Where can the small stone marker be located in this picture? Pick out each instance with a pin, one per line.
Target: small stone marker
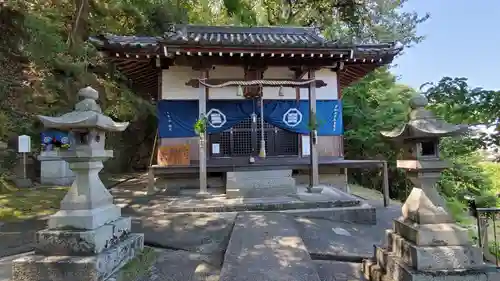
(24, 144)
(23, 147)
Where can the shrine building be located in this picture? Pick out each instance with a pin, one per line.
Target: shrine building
(257, 87)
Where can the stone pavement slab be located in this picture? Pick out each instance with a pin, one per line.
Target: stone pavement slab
(6, 265)
(18, 237)
(182, 266)
(266, 247)
(339, 271)
(333, 240)
(327, 239)
(204, 233)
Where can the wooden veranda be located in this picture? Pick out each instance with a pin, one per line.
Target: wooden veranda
(224, 165)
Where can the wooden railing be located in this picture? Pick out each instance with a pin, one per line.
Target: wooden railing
(487, 233)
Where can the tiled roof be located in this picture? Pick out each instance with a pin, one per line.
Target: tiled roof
(245, 36)
(231, 44)
(126, 41)
(186, 36)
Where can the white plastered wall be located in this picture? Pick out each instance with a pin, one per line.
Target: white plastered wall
(174, 84)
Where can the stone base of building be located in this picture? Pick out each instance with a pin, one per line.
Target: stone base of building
(79, 255)
(260, 184)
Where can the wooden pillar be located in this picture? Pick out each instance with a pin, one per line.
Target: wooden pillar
(314, 170)
(202, 108)
(339, 97)
(385, 185)
(156, 143)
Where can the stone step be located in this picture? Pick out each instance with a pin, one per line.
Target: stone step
(373, 272)
(257, 184)
(363, 214)
(251, 175)
(255, 190)
(266, 247)
(338, 270)
(255, 204)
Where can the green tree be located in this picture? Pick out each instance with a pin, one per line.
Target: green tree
(457, 102)
(375, 104)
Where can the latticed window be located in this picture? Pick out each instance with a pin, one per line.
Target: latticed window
(243, 139)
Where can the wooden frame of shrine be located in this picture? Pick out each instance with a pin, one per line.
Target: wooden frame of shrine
(235, 75)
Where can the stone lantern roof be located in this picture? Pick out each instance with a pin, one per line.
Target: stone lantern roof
(87, 115)
(423, 124)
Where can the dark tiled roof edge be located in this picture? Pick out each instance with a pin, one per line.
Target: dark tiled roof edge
(155, 41)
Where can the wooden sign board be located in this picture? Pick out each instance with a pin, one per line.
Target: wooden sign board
(172, 155)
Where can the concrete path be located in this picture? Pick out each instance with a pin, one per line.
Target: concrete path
(6, 266)
(198, 233)
(344, 241)
(18, 237)
(339, 271)
(182, 266)
(266, 247)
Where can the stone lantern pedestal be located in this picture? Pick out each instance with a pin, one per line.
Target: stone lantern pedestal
(425, 243)
(87, 239)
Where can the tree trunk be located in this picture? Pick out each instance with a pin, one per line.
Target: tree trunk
(80, 28)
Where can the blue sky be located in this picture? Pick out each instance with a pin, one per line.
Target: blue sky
(462, 40)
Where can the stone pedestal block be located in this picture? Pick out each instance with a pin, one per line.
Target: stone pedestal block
(260, 184)
(431, 234)
(426, 252)
(81, 242)
(84, 219)
(54, 170)
(388, 267)
(425, 205)
(435, 258)
(87, 268)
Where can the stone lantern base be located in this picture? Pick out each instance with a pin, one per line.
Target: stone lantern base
(419, 248)
(79, 255)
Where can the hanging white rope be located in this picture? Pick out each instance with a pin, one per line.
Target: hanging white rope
(256, 82)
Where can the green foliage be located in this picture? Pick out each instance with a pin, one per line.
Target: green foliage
(30, 203)
(454, 100)
(492, 171)
(465, 177)
(200, 126)
(375, 104)
(47, 70)
(139, 266)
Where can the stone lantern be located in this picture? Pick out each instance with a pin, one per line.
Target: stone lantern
(419, 139)
(87, 239)
(425, 243)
